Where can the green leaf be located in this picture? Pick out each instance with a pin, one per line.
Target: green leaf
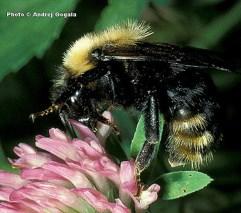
(126, 126)
(179, 184)
(218, 28)
(27, 36)
(139, 135)
(118, 11)
(4, 164)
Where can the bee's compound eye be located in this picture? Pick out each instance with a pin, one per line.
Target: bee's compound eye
(96, 54)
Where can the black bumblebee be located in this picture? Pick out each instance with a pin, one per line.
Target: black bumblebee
(116, 67)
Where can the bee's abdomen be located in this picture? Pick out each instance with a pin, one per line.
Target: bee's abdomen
(193, 116)
(189, 140)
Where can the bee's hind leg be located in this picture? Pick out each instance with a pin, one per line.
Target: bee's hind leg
(151, 125)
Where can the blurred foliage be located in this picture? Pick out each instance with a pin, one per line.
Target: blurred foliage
(213, 33)
(117, 11)
(32, 47)
(34, 38)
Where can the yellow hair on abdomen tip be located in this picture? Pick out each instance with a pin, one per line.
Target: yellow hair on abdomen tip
(197, 142)
(183, 155)
(77, 59)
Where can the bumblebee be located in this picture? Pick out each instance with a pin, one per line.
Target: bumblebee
(118, 67)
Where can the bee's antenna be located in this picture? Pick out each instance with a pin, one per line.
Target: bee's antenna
(51, 109)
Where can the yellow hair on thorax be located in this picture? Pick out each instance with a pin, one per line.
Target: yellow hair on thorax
(77, 59)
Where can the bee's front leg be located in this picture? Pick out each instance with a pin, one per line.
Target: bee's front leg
(65, 121)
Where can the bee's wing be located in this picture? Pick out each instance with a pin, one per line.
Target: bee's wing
(175, 56)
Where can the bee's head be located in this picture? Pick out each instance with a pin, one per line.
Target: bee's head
(70, 98)
(73, 96)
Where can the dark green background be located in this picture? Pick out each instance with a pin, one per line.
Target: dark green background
(31, 48)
